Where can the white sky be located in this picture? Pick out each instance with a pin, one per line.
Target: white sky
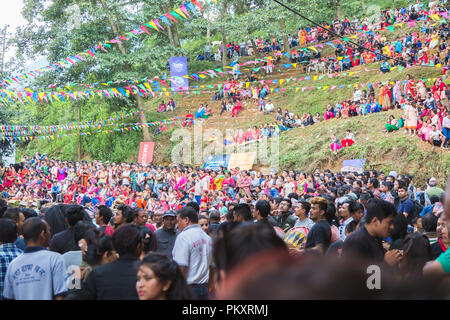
(11, 15)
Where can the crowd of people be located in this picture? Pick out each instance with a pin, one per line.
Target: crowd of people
(410, 50)
(121, 231)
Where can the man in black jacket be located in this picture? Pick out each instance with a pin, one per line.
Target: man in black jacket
(63, 241)
(117, 280)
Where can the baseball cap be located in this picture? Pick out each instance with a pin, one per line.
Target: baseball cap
(169, 213)
(393, 173)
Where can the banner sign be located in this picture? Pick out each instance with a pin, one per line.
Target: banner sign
(146, 153)
(356, 165)
(178, 72)
(242, 160)
(214, 162)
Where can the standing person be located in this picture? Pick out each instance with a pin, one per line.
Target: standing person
(441, 266)
(346, 217)
(285, 218)
(37, 274)
(193, 253)
(262, 212)
(301, 210)
(158, 218)
(63, 241)
(319, 237)
(411, 117)
(117, 280)
(18, 217)
(166, 236)
(8, 250)
(366, 242)
(405, 206)
(443, 242)
(103, 216)
(372, 185)
(160, 278)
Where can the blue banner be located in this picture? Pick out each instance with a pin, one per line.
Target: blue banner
(179, 69)
(214, 162)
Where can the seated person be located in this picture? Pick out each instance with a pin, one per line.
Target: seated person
(200, 112)
(208, 112)
(385, 67)
(162, 107)
(349, 139)
(269, 107)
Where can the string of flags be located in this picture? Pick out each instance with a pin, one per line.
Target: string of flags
(202, 75)
(125, 127)
(7, 130)
(212, 73)
(175, 16)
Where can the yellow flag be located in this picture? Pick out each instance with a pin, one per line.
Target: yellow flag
(202, 76)
(247, 84)
(296, 89)
(153, 25)
(315, 78)
(148, 87)
(281, 81)
(438, 65)
(167, 94)
(351, 73)
(339, 58)
(271, 90)
(295, 65)
(181, 13)
(313, 48)
(325, 88)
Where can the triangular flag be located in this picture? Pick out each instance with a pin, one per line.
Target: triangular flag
(197, 4)
(157, 23)
(153, 25)
(181, 12)
(390, 28)
(164, 19)
(171, 17)
(176, 14)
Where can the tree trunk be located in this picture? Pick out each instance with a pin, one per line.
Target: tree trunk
(285, 38)
(224, 36)
(363, 6)
(79, 133)
(139, 100)
(338, 4)
(224, 51)
(176, 37)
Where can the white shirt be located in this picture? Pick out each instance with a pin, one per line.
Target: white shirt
(193, 249)
(446, 123)
(37, 274)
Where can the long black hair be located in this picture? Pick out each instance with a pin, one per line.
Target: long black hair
(98, 244)
(165, 269)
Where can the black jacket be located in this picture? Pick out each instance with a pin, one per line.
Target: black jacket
(112, 281)
(63, 242)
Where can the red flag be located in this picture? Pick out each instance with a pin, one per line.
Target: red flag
(143, 28)
(197, 4)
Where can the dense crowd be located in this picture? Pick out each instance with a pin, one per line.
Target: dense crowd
(412, 49)
(126, 231)
(94, 227)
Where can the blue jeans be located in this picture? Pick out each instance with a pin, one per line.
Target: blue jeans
(446, 133)
(200, 293)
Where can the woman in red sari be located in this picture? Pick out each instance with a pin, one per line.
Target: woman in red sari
(438, 90)
(410, 87)
(237, 108)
